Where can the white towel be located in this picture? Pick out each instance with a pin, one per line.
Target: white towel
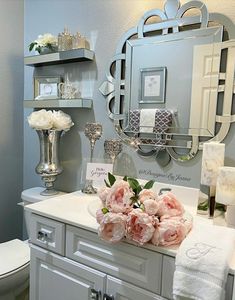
(147, 120)
(202, 263)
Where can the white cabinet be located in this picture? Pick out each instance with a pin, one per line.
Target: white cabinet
(71, 263)
(54, 277)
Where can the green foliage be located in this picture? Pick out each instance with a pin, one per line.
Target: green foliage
(105, 210)
(106, 183)
(35, 46)
(204, 206)
(111, 178)
(149, 185)
(125, 178)
(31, 46)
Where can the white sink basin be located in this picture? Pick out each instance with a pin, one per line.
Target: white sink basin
(93, 206)
(187, 196)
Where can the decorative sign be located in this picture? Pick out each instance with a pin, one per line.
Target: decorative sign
(98, 171)
(167, 176)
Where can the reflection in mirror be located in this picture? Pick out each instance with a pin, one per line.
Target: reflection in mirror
(166, 78)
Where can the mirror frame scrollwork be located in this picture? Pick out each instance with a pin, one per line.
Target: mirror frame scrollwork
(172, 19)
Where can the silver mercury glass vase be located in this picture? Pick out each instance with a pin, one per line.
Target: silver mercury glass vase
(49, 166)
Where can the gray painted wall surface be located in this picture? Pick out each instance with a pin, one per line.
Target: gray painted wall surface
(11, 117)
(103, 22)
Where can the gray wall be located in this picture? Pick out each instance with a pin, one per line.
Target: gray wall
(11, 117)
(103, 22)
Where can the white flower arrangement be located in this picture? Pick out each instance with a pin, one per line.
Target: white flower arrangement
(47, 119)
(46, 40)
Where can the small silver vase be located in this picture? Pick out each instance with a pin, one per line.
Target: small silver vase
(49, 166)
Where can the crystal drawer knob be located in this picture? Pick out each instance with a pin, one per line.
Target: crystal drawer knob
(95, 295)
(108, 297)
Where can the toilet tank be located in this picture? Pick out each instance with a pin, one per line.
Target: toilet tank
(31, 196)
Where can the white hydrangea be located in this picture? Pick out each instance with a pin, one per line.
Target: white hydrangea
(45, 39)
(41, 119)
(46, 119)
(62, 121)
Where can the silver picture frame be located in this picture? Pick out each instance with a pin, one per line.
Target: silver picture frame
(152, 85)
(47, 87)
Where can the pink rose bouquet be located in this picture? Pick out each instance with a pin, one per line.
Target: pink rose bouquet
(138, 214)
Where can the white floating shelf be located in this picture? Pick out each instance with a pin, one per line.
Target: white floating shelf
(61, 57)
(59, 103)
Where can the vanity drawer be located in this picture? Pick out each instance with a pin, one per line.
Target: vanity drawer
(47, 233)
(127, 262)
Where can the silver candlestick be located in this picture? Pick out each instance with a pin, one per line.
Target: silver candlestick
(93, 132)
(112, 147)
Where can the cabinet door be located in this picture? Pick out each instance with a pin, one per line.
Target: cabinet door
(120, 290)
(53, 277)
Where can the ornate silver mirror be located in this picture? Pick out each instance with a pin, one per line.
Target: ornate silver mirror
(170, 84)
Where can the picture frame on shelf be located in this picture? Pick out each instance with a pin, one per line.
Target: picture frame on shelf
(47, 87)
(152, 85)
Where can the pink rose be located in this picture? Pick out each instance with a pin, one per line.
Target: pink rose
(112, 227)
(118, 199)
(147, 194)
(150, 207)
(99, 215)
(102, 193)
(139, 226)
(171, 231)
(169, 206)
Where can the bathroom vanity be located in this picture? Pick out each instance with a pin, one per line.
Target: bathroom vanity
(69, 261)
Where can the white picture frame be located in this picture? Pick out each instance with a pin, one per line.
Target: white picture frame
(152, 85)
(46, 87)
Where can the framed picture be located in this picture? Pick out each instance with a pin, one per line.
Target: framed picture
(46, 87)
(152, 85)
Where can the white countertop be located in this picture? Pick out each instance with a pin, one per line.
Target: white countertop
(78, 209)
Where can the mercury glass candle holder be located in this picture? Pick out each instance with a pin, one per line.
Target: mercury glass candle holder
(112, 148)
(93, 131)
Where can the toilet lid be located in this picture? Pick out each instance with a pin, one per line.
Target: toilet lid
(13, 255)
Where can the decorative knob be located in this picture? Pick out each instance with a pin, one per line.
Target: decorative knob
(42, 236)
(108, 297)
(95, 295)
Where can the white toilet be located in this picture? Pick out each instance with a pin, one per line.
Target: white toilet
(15, 256)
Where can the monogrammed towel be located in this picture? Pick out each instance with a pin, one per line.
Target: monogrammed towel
(202, 263)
